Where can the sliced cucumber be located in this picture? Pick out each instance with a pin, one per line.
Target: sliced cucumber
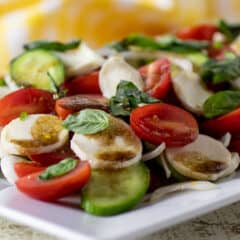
(113, 192)
(32, 68)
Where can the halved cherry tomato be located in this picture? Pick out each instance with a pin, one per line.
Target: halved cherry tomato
(62, 112)
(162, 122)
(22, 168)
(199, 32)
(50, 190)
(47, 159)
(28, 100)
(227, 123)
(220, 53)
(157, 78)
(87, 83)
(235, 145)
(71, 104)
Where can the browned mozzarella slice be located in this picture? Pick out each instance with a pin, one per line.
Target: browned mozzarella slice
(38, 133)
(203, 159)
(113, 148)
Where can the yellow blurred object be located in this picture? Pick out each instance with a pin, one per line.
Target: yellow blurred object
(99, 21)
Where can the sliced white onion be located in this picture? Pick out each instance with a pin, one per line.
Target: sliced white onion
(181, 62)
(193, 185)
(165, 166)
(155, 153)
(226, 139)
(7, 167)
(10, 83)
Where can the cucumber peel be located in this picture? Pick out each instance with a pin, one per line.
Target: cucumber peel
(111, 192)
(32, 68)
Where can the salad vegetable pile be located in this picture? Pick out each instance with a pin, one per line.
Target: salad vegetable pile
(125, 124)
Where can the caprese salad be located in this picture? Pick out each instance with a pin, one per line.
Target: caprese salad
(114, 125)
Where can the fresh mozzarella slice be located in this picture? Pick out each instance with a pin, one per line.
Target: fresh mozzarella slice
(7, 167)
(113, 148)
(38, 133)
(190, 91)
(203, 159)
(81, 60)
(113, 71)
(2, 151)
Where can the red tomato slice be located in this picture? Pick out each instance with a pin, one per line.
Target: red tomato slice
(47, 159)
(53, 189)
(199, 32)
(28, 100)
(157, 123)
(22, 168)
(227, 123)
(157, 78)
(82, 84)
(62, 112)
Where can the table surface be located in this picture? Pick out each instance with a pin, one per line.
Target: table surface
(223, 224)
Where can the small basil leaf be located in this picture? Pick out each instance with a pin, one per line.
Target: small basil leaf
(165, 43)
(221, 103)
(87, 121)
(127, 98)
(23, 116)
(57, 170)
(218, 71)
(230, 30)
(52, 46)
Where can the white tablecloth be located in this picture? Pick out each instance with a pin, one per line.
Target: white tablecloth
(223, 224)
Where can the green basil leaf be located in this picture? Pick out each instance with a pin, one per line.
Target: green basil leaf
(127, 98)
(165, 43)
(230, 30)
(57, 170)
(23, 116)
(221, 103)
(218, 71)
(87, 121)
(52, 46)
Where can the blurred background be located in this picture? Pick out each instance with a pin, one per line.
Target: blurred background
(100, 21)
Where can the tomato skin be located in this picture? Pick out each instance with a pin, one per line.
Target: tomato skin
(62, 112)
(199, 32)
(157, 77)
(47, 159)
(160, 122)
(71, 104)
(217, 127)
(87, 83)
(22, 168)
(235, 145)
(53, 189)
(28, 100)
